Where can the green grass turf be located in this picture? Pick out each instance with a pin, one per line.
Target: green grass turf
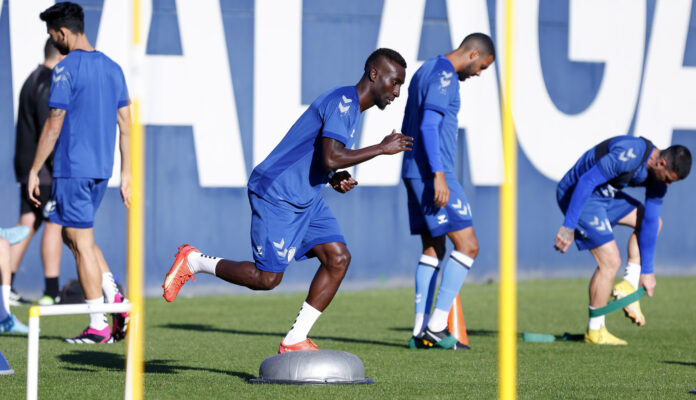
(209, 347)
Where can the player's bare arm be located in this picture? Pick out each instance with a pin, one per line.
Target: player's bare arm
(441, 189)
(47, 141)
(342, 182)
(124, 126)
(336, 156)
(564, 238)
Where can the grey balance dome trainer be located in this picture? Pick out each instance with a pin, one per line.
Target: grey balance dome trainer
(323, 367)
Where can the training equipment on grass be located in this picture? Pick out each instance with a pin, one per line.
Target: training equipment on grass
(618, 304)
(455, 322)
(33, 346)
(5, 366)
(323, 367)
(537, 337)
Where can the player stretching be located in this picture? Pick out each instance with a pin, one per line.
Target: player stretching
(289, 217)
(436, 202)
(590, 196)
(88, 98)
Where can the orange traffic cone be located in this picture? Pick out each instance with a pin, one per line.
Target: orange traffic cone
(455, 322)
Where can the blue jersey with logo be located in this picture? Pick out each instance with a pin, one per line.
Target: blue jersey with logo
(91, 88)
(435, 86)
(625, 155)
(294, 172)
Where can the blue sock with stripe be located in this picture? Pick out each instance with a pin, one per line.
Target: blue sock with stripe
(426, 279)
(453, 277)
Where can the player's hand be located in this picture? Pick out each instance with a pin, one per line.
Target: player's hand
(342, 182)
(126, 194)
(648, 282)
(441, 189)
(33, 188)
(396, 143)
(564, 238)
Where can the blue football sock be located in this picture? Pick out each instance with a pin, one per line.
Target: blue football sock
(426, 276)
(453, 277)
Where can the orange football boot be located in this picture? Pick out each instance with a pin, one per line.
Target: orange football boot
(178, 274)
(306, 344)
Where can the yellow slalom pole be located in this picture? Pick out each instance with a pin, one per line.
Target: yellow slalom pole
(507, 296)
(136, 229)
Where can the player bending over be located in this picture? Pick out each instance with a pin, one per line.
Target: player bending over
(590, 196)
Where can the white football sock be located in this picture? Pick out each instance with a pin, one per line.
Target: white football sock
(438, 321)
(109, 287)
(199, 262)
(305, 320)
(632, 274)
(5, 299)
(595, 322)
(419, 324)
(97, 320)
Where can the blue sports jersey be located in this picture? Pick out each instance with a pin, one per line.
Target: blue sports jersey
(590, 187)
(435, 86)
(91, 88)
(294, 172)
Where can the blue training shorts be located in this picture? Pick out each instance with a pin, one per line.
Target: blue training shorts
(425, 218)
(281, 231)
(598, 217)
(76, 201)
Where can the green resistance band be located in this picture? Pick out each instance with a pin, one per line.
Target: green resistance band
(619, 304)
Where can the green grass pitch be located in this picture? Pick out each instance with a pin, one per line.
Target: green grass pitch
(209, 347)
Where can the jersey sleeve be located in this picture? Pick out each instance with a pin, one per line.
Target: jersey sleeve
(61, 87)
(123, 99)
(338, 119)
(430, 129)
(439, 92)
(586, 184)
(622, 158)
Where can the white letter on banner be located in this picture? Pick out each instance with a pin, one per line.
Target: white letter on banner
(400, 29)
(27, 39)
(667, 101)
(277, 96)
(599, 31)
(192, 89)
(480, 110)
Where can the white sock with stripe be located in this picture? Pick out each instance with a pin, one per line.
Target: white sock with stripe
(595, 322)
(199, 262)
(109, 287)
(97, 320)
(306, 318)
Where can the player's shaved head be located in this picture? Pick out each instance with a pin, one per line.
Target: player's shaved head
(678, 160)
(479, 41)
(389, 54)
(50, 51)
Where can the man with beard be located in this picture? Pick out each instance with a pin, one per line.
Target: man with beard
(436, 201)
(88, 99)
(290, 220)
(591, 199)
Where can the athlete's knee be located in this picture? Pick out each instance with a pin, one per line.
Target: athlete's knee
(611, 263)
(268, 280)
(469, 247)
(338, 261)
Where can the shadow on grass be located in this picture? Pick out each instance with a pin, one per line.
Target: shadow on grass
(210, 328)
(686, 364)
(472, 332)
(92, 361)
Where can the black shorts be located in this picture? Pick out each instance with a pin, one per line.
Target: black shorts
(26, 206)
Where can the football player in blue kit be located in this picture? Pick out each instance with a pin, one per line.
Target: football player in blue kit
(591, 198)
(437, 205)
(290, 220)
(88, 99)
